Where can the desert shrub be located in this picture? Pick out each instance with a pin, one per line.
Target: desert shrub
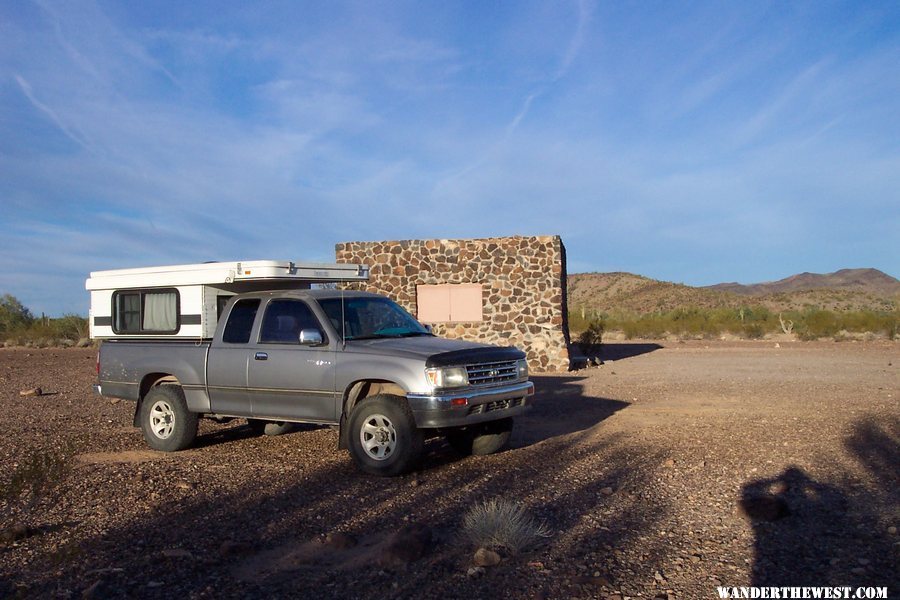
(870, 321)
(591, 337)
(501, 523)
(13, 314)
(753, 331)
(19, 327)
(581, 319)
(892, 326)
(39, 475)
(816, 323)
(752, 322)
(70, 327)
(647, 326)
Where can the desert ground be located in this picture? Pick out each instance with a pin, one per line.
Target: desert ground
(669, 470)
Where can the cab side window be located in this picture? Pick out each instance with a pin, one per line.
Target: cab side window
(284, 320)
(240, 321)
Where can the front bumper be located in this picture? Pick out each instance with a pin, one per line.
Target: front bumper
(470, 406)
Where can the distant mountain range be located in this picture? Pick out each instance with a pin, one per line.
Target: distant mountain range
(871, 281)
(847, 289)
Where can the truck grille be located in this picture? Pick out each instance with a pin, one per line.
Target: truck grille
(487, 407)
(495, 372)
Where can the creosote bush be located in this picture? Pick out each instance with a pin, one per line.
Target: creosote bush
(18, 327)
(755, 322)
(36, 477)
(591, 337)
(501, 523)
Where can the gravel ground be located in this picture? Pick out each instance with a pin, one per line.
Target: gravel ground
(669, 470)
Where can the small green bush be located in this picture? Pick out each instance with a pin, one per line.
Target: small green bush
(39, 475)
(19, 327)
(749, 322)
(591, 337)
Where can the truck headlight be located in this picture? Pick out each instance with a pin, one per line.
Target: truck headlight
(522, 368)
(447, 377)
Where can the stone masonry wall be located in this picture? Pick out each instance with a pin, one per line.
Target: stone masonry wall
(523, 287)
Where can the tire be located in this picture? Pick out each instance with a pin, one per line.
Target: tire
(271, 428)
(383, 437)
(481, 440)
(167, 423)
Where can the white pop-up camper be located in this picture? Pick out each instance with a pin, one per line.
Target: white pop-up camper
(185, 301)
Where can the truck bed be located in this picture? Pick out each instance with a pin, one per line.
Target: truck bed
(128, 368)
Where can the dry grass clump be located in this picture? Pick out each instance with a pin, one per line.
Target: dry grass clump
(38, 476)
(501, 523)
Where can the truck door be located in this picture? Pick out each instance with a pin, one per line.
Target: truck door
(226, 368)
(287, 379)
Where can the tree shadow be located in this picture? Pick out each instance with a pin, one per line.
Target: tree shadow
(581, 357)
(813, 533)
(192, 543)
(622, 351)
(876, 445)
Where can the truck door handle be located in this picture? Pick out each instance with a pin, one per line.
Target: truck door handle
(261, 356)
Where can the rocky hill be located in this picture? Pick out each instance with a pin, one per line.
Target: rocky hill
(869, 281)
(626, 293)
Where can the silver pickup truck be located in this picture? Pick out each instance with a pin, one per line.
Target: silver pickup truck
(351, 359)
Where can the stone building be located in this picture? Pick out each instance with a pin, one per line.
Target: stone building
(509, 291)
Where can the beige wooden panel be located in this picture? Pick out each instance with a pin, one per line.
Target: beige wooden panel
(449, 303)
(433, 303)
(465, 302)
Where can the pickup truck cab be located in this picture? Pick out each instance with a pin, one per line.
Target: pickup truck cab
(355, 360)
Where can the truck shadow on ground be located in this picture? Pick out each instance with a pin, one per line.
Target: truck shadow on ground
(815, 533)
(559, 408)
(240, 431)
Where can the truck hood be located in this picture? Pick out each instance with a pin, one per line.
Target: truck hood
(435, 351)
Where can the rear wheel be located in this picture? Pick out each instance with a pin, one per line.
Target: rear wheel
(483, 439)
(167, 423)
(383, 437)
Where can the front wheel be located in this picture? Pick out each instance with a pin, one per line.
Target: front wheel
(481, 440)
(167, 423)
(383, 436)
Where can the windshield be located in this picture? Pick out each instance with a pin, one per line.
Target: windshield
(368, 318)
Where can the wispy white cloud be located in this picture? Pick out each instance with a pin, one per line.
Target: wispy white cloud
(585, 9)
(692, 147)
(76, 137)
(790, 97)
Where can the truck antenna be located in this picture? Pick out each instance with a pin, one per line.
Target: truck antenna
(343, 320)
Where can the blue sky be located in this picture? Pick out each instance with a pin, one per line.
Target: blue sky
(691, 142)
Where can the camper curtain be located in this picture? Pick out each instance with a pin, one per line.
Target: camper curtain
(160, 312)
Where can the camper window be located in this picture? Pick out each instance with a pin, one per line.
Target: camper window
(145, 311)
(240, 321)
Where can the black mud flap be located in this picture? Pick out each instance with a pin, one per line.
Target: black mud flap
(343, 444)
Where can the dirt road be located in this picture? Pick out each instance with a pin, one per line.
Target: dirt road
(671, 469)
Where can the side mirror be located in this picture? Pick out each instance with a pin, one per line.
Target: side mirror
(310, 337)
(428, 328)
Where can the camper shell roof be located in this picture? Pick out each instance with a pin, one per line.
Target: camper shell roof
(219, 273)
